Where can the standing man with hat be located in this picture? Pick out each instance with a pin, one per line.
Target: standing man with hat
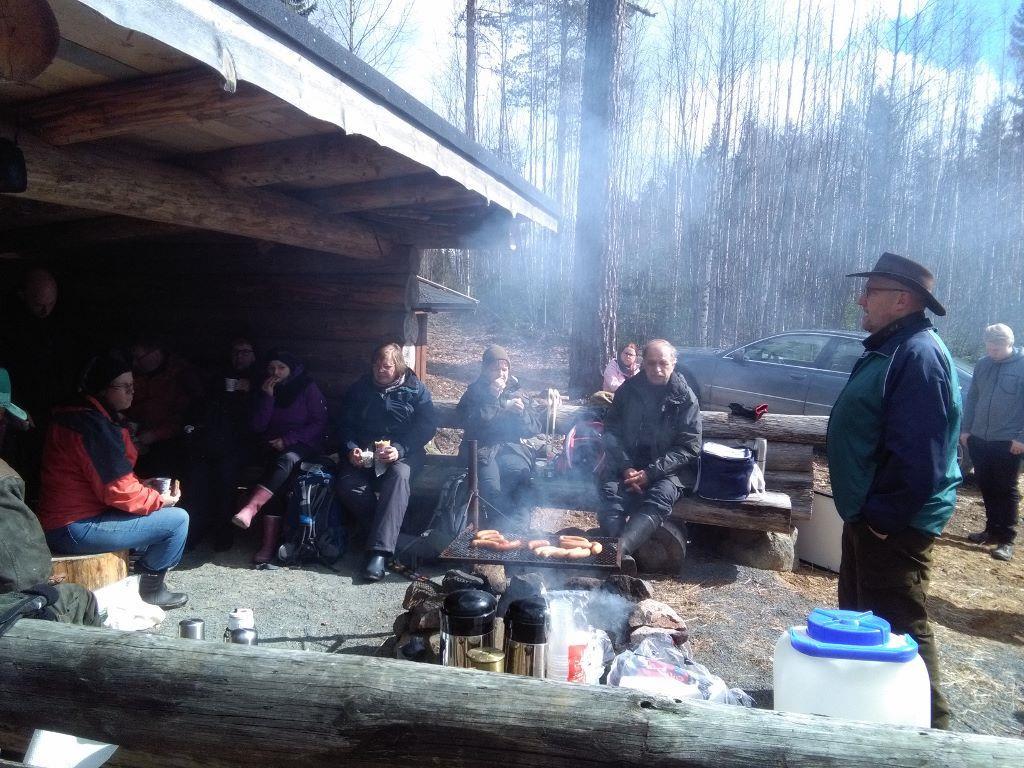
(892, 440)
(993, 431)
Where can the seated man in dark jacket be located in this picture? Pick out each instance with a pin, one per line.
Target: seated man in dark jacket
(492, 414)
(390, 413)
(652, 438)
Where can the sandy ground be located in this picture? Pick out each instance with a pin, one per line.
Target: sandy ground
(734, 613)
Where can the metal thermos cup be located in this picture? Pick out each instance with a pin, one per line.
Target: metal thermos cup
(526, 637)
(192, 629)
(244, 636)
(467, 622)
(240, 618)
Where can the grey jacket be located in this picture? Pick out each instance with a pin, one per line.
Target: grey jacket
(995, 405)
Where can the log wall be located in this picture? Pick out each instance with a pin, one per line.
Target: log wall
(328, 310)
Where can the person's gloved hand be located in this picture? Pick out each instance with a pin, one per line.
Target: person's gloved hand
(757, 480)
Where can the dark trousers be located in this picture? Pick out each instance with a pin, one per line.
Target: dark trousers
(280, 467)
(377, 503)
(997, 472)
(505, 486)
(619, 502)
(210, 491)
(890, 578)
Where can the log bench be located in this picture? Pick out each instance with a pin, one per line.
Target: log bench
(91, 571)
(787, 468)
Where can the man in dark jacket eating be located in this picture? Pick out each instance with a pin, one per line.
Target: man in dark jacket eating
(652, 439)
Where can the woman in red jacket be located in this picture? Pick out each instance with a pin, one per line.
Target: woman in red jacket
(91, 500)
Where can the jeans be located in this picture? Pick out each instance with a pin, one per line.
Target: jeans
(997, 471)
(159, 536)
(890, 578)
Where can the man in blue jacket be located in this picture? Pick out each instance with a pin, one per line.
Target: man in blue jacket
(892, 441)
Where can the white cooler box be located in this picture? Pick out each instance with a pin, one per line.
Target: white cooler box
(820, 539)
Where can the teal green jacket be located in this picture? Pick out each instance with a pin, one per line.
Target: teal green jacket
(892, 435)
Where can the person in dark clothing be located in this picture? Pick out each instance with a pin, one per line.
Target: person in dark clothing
(493, 413)
(289, 418)
(43, 355)
(652, 439)
(219, 444)
(891, 444)
(166, 385)
(993, 431)
(387, 417)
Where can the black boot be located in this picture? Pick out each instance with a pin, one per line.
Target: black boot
(375, 565)
(612, 524)
(152, 590)
(639, 528)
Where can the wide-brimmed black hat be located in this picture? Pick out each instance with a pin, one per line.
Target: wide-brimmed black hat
(911, 274)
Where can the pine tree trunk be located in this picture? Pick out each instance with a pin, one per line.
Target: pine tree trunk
(594, 271)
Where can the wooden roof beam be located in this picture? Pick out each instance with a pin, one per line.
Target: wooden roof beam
(144, 189)
(418, 190)
(132, 106)
(309, 162)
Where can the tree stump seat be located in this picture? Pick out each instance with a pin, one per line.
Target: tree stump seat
(91, 571)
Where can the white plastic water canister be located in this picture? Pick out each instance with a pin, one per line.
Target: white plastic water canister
(849, 664)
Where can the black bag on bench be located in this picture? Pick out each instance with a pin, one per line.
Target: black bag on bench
(448, 520)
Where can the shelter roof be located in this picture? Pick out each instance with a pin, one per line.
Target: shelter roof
(241, 118)
(434, 297)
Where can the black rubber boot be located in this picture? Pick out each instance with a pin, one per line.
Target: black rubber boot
(639, 528)
(152, 590)
(612, 525)
(375, 567)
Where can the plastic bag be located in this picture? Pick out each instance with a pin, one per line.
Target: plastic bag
(658, 666)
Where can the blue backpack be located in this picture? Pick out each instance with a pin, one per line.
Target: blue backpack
(314, 528)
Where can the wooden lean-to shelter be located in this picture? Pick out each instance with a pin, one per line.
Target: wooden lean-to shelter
(198, 168)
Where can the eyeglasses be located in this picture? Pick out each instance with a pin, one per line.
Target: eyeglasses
(872, 289)
(128, 388)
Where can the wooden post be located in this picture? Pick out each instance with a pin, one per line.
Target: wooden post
(92, 571)
(211, 704)
(474, 486)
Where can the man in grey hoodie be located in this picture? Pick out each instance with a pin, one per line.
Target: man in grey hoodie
(993, 431)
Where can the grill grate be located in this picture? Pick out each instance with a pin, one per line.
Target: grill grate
(461, 551)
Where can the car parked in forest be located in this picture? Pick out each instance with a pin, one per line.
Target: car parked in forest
(800, 372)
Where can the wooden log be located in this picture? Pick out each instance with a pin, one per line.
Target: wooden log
(308, 162)
(29, 37)
(767, 511)
(790, 457)
(145, 189)
(91, 571)
(665, 551)
(166, 695)
(809, 430)
(419, 190)
(140, 104)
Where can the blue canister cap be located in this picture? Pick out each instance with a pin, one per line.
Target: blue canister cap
(836, 634)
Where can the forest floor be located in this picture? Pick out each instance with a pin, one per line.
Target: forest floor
(735, 613)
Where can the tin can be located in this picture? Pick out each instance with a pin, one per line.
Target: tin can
(244, 637)
(192, 629)
(487, 659)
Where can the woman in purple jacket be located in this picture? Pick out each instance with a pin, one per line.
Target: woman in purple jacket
(290, 418)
